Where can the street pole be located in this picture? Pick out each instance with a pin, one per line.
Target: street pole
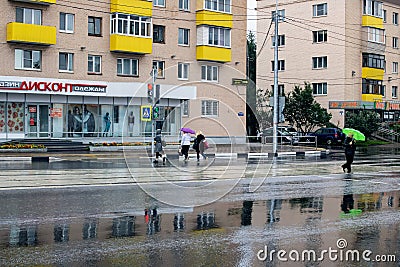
(275, 118)
(153, 81)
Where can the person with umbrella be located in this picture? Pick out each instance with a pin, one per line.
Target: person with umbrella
(185, 143)
(349, 151)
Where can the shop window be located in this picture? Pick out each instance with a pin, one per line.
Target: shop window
(116, 114)
(12, 117)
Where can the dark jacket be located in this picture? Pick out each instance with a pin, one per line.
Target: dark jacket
(349, 146)
(199, 142)
(158, 139)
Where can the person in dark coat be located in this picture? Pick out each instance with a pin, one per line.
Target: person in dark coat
(199, 145)
(349, 151)
(159, 148)
(70, 123)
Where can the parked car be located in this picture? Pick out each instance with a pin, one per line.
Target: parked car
(288, 129)
(283, 136)
(329, 136)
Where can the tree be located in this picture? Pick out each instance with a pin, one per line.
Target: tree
(303, 111)
(263, 111)
(365, 121)
(251, 102)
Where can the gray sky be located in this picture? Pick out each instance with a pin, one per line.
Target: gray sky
(251, 14)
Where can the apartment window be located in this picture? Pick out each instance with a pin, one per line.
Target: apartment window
(127, 67)
(395, 18)
(130, 25)
(320, 62)
(281, 15)
(371, 86)
(395, 41)
(28, 15)
(373, 8)
(281, 65)
(66, 22)
(281, 40)
(184, 5)
(66, 62)
(160, 66)
(395, 67)
(183, 36)
(320, 88)
(376, 35)
(28, 59)
(94, 64)
(394, 91)
(384, 16)
(209, 108)
(320, 10)
(94, 26)
(373, 61)
(218, 5)
(209, 73)
(159, 34)
(219, 36)
(185, 108)
(183, 71)
(281, 89)
(159, 3)
(320, 36)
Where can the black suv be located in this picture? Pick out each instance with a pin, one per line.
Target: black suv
(329, 136)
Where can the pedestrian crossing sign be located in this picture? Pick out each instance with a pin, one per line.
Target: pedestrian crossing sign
(145, 113)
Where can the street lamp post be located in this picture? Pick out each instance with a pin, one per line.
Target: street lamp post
(275, 118)
(153, 74)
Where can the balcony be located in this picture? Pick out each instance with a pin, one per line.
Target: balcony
(41, 2)
(31, 33)
(372, 73)
(130, 44)
(371, 97)
(211, 53)
(206, 17)
(136, 7)
(371, 21)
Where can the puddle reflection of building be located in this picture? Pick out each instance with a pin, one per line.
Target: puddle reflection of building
(179, 222)
(89, 229)
(247, 211)
(23, 235)
(274, 207)
(61, 233)
(123, 226)
(153, 221)
(206, 220)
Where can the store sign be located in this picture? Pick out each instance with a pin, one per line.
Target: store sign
(53, 87)
(56, 112)
(344, 104)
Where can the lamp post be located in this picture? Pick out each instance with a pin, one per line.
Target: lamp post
(153, 74)
(275, 118)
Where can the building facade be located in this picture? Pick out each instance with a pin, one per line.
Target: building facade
(85, 69)
(346, 50)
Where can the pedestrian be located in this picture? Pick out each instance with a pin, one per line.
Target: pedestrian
(107, 123)
(131, 122)
(159, 147)
(70, 124)
(185, 145)
(349, 151)
(199, 145)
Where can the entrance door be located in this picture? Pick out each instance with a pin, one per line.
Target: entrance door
(38, 120)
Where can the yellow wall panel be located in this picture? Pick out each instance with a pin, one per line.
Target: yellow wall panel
(371, 73)
(206, 17)
(130, 44)
(211, 53)
(31, 33)
(136, 7)
(371, 97)
(370, 21)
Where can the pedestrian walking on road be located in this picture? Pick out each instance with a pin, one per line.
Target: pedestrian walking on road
(159, 147)
(107, 124)
(199, 145)
(185, 145)
(349, 151)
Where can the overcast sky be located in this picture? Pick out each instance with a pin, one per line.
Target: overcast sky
(251, 15)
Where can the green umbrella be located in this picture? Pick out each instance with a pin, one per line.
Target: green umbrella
(356, 133)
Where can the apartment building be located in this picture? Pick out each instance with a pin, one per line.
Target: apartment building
(347, 50)
(84, 68)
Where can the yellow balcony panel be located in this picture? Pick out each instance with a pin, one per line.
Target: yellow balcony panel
(206, 17)
(371, 97)
(210, 53)
(136, 7)
(370, 21)
(31, 33)
(371, 73)
(42, 2)
(130, 44)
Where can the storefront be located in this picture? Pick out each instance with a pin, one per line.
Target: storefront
(43, 108)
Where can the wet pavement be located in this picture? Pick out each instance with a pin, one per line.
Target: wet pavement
(222, 212)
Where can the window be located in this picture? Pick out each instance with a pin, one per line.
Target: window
(395, 67)
(281, 15)
(281, 89)
(384, 16)
(209, 108)
(395, 18)
(219, 36)
(281, 40)
(281, 65)
(159, 34)
(373, 61)
(395, 42)
(160, 66)
(320, 88)
(184, 5)
(94, 26)
(320, 62)
(394, 91)
(209, 73)
(320, 10)
(28, 59)
(159, 3)
(376, 35)
(183, 36)
(185, 108)
(320, 36)
(183, 71)
(28, 16)
(94, 64)
(373, 8)
(66, 22)
(127, 67)
(218, 5)
(371, 86)
(66, 62)
(130, 25)
(383, 90)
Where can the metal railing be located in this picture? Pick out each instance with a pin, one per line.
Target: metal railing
(387, 134)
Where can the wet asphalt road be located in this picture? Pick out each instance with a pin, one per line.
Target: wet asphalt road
(109, 212)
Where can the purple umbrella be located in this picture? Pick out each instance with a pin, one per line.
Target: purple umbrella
(188, 130)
